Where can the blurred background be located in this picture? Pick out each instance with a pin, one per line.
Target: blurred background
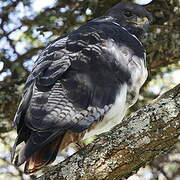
(27, 26)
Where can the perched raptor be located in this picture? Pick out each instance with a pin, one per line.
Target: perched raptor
(82, 85)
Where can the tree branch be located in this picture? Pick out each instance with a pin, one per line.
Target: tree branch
(147, 133)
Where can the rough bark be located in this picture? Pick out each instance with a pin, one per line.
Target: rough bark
(147, 133)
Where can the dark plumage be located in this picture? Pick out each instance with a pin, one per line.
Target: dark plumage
(82, 84)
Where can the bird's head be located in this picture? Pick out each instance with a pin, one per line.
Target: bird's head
(135, 18)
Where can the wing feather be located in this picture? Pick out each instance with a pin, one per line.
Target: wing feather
(72, 85)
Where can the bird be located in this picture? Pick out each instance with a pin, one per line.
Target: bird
(81, 85)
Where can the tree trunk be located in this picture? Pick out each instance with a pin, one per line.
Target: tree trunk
(145, 134)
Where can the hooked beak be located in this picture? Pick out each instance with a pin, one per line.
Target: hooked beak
(141, 22)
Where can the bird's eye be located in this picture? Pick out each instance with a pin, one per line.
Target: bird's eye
(128, 14)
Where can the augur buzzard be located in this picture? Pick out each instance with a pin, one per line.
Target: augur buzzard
(82, 84)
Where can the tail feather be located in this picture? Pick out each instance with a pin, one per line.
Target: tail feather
(23, 135)
(42, 157)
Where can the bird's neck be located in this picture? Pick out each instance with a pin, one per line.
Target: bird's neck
(138, 32)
